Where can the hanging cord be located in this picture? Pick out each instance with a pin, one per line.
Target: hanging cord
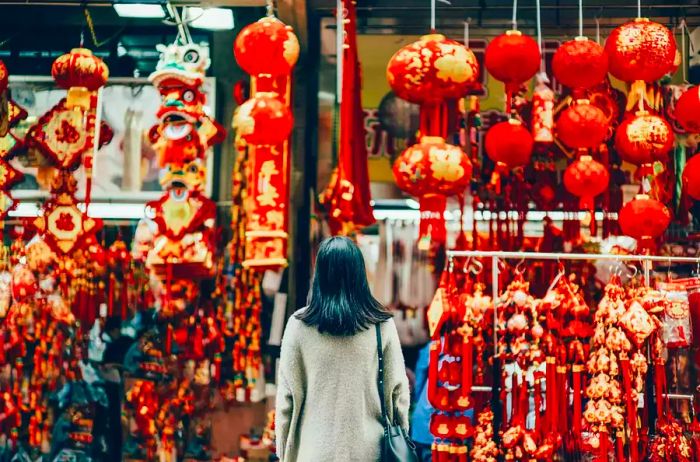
(639, 8)
(684, 56)
(183, 32)
(270, 5)
(432, 15)
(466, 32)
(580, 18)
(93, 34)
(597, 30)
(539, 31)
(514, 20)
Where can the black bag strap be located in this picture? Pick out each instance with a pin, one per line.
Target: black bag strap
(380, 375)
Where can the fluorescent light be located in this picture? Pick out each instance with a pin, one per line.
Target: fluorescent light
(209, 18)
(115, 211)
(139, 10)
(412, 203)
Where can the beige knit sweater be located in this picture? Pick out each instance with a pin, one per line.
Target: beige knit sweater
(327, 398)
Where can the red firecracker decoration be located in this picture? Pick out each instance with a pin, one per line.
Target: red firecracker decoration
(691, 177)
(688, 110)
(267, 47)
(582, 125)
(644, 219)
(432, 69)
(586, 178)
(509, 143)
(644, 138)
(641, 50)
(264, 120)
(512, 58)
(580, 63)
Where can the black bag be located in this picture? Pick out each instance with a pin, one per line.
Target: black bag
(396, 444)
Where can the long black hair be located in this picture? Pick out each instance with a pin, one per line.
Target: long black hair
(341, 302)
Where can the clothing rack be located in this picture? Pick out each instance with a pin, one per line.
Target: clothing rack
(496, 256)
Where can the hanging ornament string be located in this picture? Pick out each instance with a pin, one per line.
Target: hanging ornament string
(597, 30)
(684, 28)
(466, 32)
(539, 31)
(514, 20)
(432, 15)
(580, 18)
(639, 8)
(270, 8)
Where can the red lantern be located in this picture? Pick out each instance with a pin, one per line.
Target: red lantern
(586, 178)
(79, 68)
(267, 47)
(432, 69)
(688, 110)
(691, 177)
(582, 125)
(509, 143)
(263, 120)
(640, 50)
(644, 219)
(580, 63)
(644, 138)
(512, 58)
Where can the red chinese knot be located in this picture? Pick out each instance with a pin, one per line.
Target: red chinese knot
(580, 63)
(582, 125)
(691, 177)
(641, 50)
(688, 110)
(432, 69)
(79, 68)
(267, 47)
(512, 58)
(509, 143)
(586, 178)
(644, 218)
(644, 138)
(264, 120)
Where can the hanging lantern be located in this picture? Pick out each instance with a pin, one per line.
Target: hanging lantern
(586, 178)
(644, 219)
(580, 63)
(512, 58)
(640, 50)
(509, 143)
(691, 177)
(688, 110)
(80, 72)
(432, 69)
(582, 126)
(644, 138)
(263, 120)
(267, 47)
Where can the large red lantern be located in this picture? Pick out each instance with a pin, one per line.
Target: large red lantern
(641, 50)
(691, 177)
(509, 143)
(688, 110)
(644, 138)
(512, 58)
(644, 218)
(582, 125)
(79, 68)
(580, 63)
(432, 69)
(586, 178)
(263, 120)
(267, 47)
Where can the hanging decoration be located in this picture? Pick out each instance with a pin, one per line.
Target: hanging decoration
(586, 178)
(691, 177)
(509, 143)
(644, 138)
(582, 126)
(580, 64)
(644, 219)
(268, 51)
(512, 58)
(687, 110)
(10, 115)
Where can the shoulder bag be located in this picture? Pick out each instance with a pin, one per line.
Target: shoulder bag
(396, 444)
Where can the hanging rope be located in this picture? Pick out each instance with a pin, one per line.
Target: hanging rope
(580, 18)
(639, 8)
(466, 32)
(93, 34)
(597, 30)
(432, 15)
(515, 14)
(270, 8)
(684, 57)
(539, 31)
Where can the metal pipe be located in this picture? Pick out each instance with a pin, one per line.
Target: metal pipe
(567, 256)
(494, 295)
(509, 7)
(673, 396)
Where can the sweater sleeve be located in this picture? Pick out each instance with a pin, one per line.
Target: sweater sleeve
(284, 404)
(396, 376)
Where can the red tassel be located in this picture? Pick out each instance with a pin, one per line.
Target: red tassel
(169, 339)
(538, 405)
(198, 341)
(620, 445)
(564, 396)
(578, 416)
(110, 295)
(660, 379)
(604, 445)
(631, 409)
(433, 372)
(467, 365)
(550, 412)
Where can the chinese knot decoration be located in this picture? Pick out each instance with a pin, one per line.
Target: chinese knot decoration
(268, 51)
(183, 241)
(9, 176)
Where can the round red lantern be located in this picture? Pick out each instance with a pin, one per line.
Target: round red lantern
(582, 125)
(433, 167)
(644, 218)
(80, 68)
(263, 120)
(512, 58)
(432, 69)
(644, 138)
(691, 177)
(580, 63)
(586, 178)
(267, 47)
(688, 110)
(640, 50)
(509, 143)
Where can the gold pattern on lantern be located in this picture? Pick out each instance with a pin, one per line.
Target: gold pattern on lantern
(648, 130)
(445, 164)
(269, 195)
